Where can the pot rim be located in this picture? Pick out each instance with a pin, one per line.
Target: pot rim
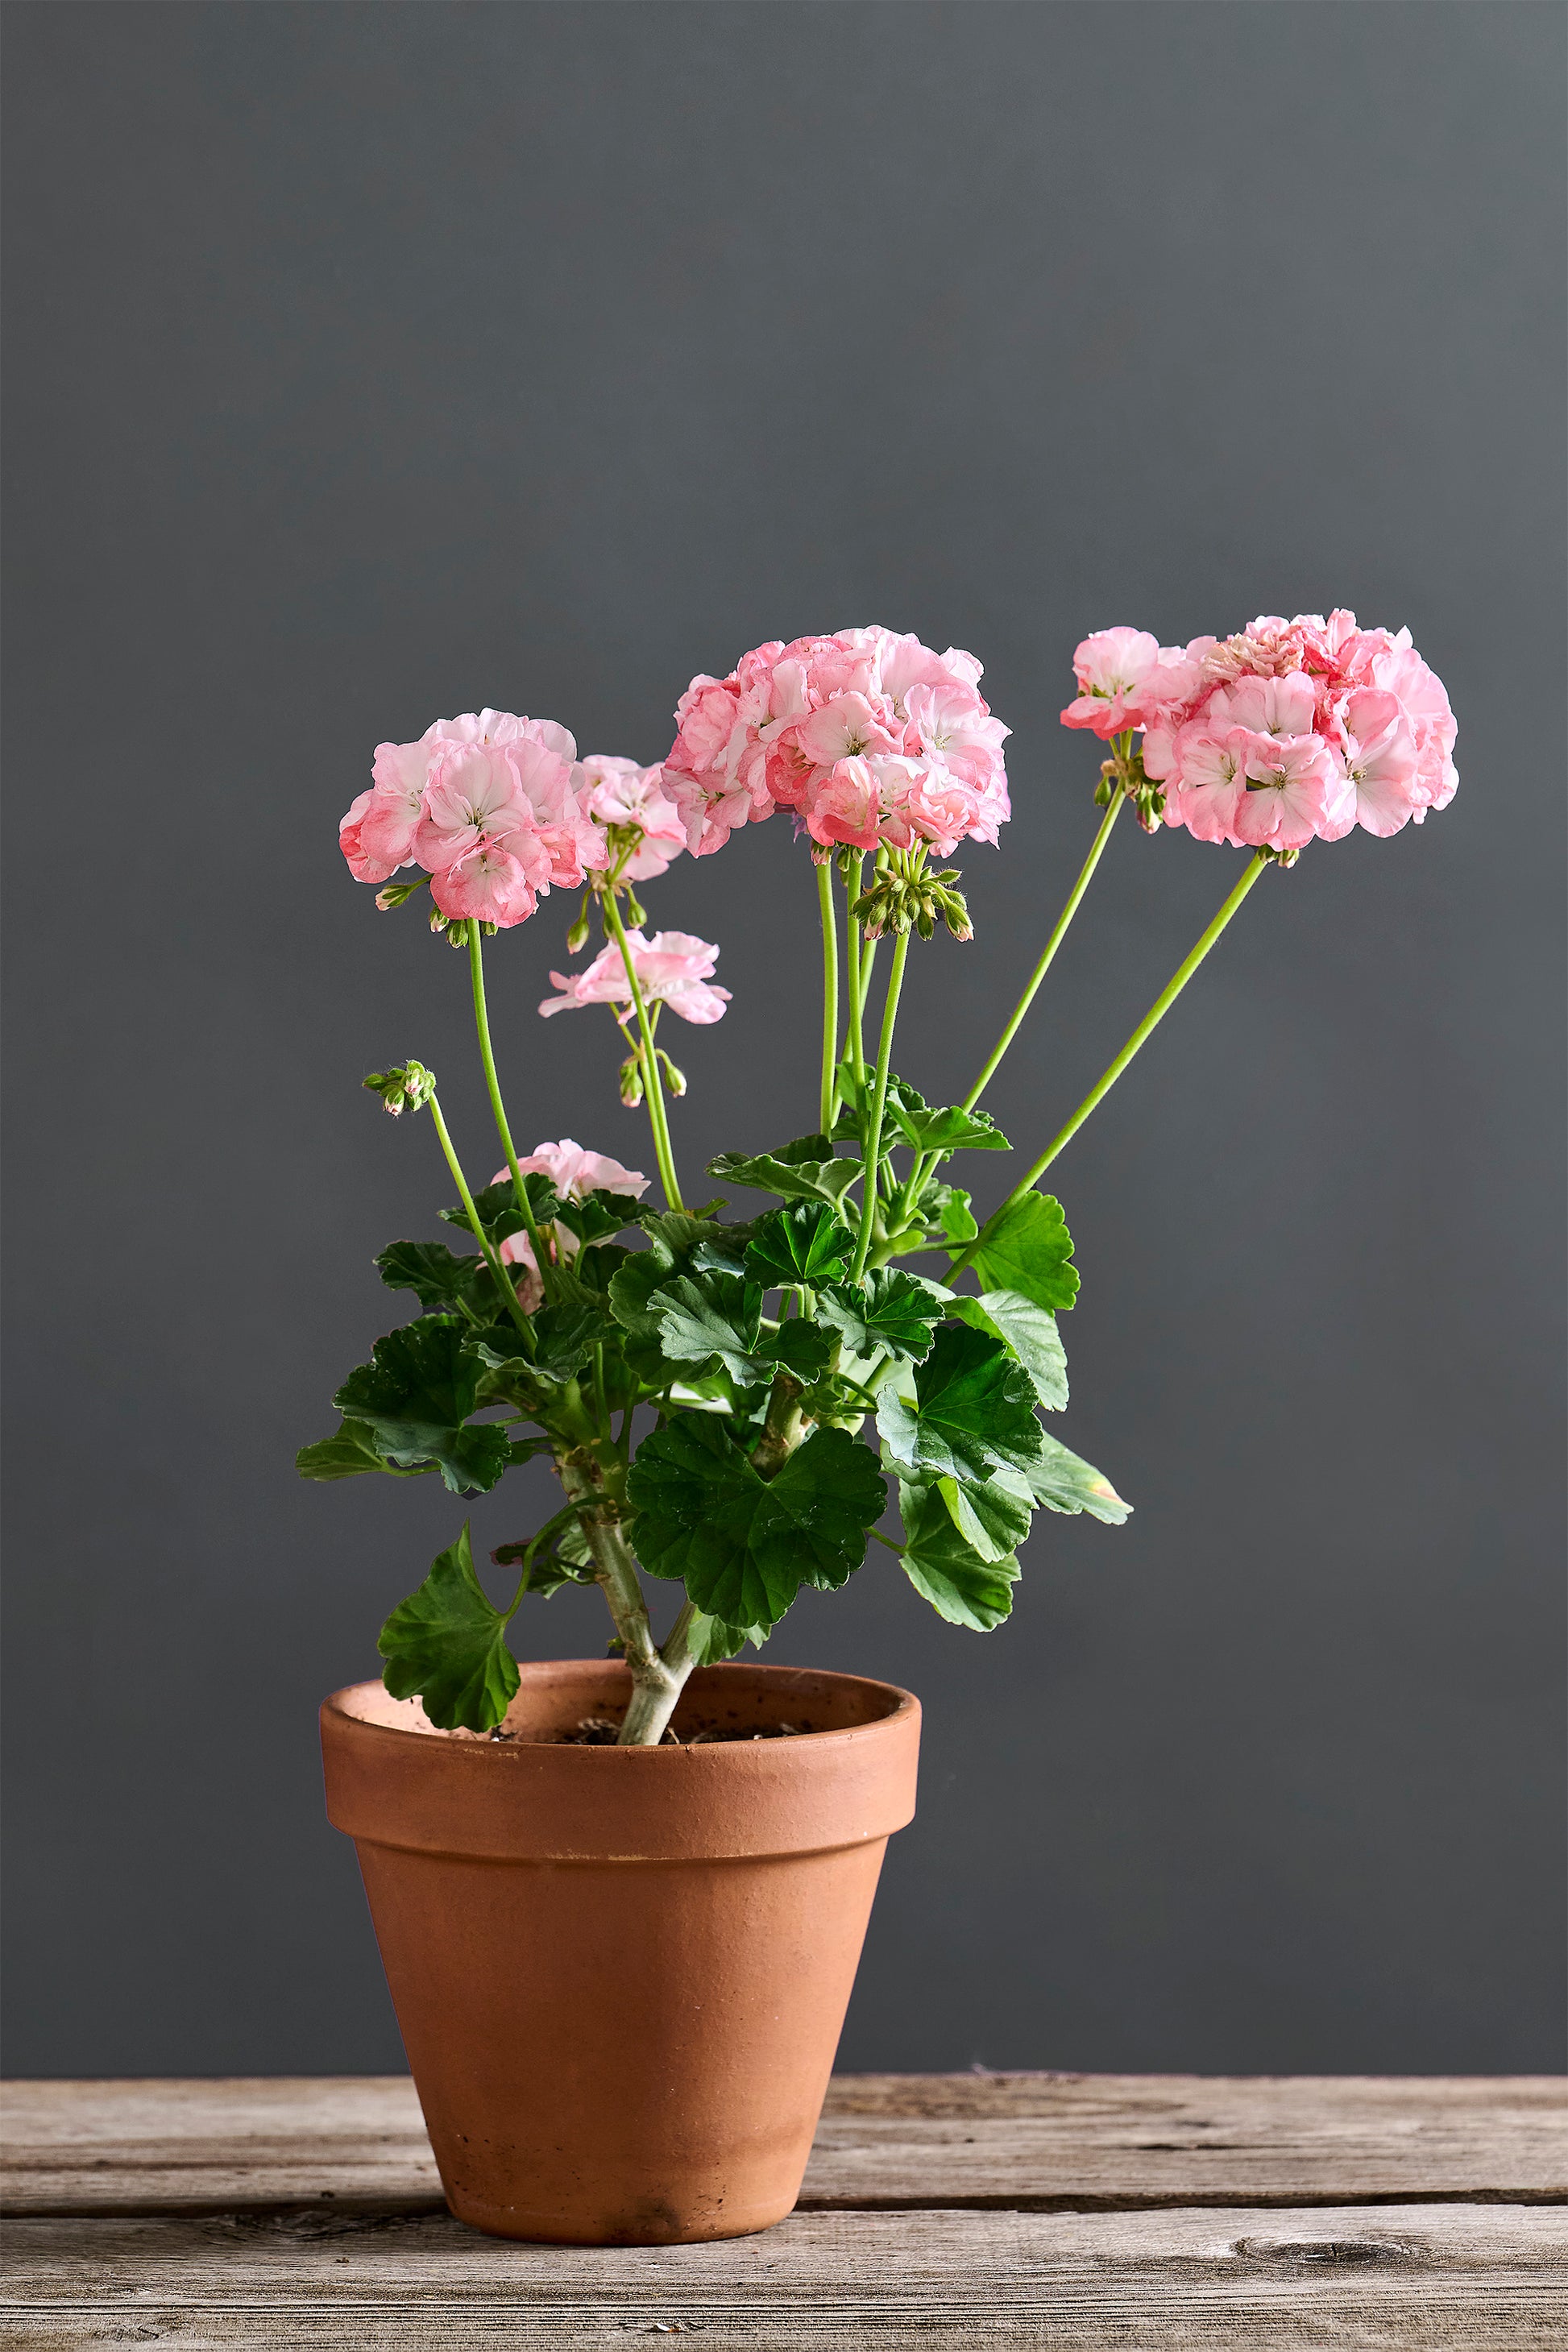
(517, 1800)
(778, 1677)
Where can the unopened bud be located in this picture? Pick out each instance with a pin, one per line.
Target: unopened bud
(677, 1078)
(409, 1087)
(577, 937)
(397, 894)
(635, 910)
(631, 1081)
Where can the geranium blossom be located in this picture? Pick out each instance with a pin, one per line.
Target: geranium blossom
(1109, 668)
(619, 792)
(865, 736)
(574, 1174)
(489, 803)
(1286, 731)
(672, 968)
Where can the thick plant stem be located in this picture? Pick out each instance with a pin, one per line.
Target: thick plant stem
(656, 1685)
(1047, 956)
(653, 1085)
(1140, 1036)
(491, 1257)
(784, 1426)
(852, 947)
(542, 1257)
(873, 1136)
(829, 1097)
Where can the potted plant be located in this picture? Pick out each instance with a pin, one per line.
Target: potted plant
(621, 1902)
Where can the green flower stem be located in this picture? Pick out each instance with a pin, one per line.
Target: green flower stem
(541, 1255)
(491, 1256)
(1049, 954)
(829, 995)
(853, 959)
(873, 1136)
(1140, 1036)
(653, 1082)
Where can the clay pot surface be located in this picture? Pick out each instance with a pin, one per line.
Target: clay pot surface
(621, 1972)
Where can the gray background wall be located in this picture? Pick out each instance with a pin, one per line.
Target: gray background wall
(370, 362)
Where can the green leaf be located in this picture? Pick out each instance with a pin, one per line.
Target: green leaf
(681, 1239)
(598, 1216)
(566, 1336)
(973, 1411)
(945, 1570)
(1030, 1331)
(497, 1210)
(417, 1393)
(348, 1456)
(945, 1131)
(437, 1276)
(1065, 1482)
(446, 1644)
(992, 1515)
(805, 1170)
(891, 1311)
(700, 1316)
(631, 1288)
(709, 1640)
(1028, 1252)
(943, 1205)
(802, 1348)
(742, 1544)
(806, 1243)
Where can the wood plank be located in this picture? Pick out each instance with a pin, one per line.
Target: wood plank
(1008, 2141)
(1465, 2278)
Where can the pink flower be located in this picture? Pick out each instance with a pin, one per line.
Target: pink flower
(376, 836)
(525, 765)
(1399, 670)
(1208, 780)
(492, 885)
(1377, 746)
(811, 726)
(1362, 727)
(621, 794)
(574, 1174)
(950, 726)
(544, 757)
(847, 808)
(1109, 667)
(1295, 790)
(671, 967)
(843, 730)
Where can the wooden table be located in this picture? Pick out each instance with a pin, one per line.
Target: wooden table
(994, 2210)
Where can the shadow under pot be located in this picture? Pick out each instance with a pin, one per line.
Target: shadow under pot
(621, 1973)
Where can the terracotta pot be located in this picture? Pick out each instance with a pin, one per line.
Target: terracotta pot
(621, 1972)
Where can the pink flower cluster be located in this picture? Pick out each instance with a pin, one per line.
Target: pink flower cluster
(1291, 731)
(497, 808)
(868, 737)
(672, 968)
(574, 1174)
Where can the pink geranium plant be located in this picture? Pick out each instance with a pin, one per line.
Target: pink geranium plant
(704, 1385)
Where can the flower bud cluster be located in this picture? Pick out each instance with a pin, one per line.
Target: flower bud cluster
(409, 1088)
(898, 900)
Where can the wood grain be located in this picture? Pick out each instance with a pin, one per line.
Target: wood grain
(1016, 2142)
(1457, 2278)
(1185, 2214)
